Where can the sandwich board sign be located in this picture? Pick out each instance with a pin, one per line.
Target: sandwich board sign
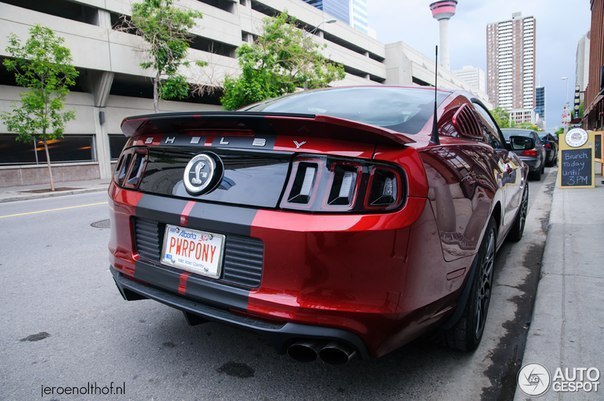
(576, 159)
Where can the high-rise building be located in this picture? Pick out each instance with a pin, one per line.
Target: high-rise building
(358, 15)
(473, 76)
(582, 71)
(540, 106)
(511, 48)
(352, 12)
(337, 8)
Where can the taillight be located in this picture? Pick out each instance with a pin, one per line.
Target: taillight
(305, 175)
(122, 167)
(385, 187)
(529, 152)
(131, 167)
(326, 184)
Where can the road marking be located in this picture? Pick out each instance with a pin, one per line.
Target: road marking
(52, 210)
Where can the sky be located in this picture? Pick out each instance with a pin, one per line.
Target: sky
(560, 26)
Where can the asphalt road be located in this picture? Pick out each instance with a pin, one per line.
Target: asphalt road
(64, 324)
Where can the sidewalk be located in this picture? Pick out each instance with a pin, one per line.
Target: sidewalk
(9, 194)
(567, 329)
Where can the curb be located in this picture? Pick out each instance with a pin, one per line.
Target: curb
(51, 194)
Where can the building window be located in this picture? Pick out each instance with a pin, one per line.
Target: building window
(69, 149)
(226, 5)
(213, 46)
(116, 144)
(61, 8)
(264, 9)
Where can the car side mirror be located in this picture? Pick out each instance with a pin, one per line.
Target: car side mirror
(521, 143)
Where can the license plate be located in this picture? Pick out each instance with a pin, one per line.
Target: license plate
(193, 250)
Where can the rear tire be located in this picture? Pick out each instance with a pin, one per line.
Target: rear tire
(517, 229)
(535, 175)
(466, 334)
(551, 163)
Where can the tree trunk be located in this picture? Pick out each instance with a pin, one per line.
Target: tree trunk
(52, 182)
(156, 92)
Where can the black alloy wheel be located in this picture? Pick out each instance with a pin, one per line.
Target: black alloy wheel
(517, 229)
(466, 334)
(485, 285)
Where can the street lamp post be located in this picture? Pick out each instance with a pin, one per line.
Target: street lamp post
(565, 79)
(329, 21)
(313, 31)
(565, 109)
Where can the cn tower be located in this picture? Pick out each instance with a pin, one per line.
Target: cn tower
(443, 10)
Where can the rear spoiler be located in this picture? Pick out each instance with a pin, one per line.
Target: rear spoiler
(306, 125)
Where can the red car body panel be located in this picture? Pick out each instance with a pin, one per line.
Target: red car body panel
(386, 277)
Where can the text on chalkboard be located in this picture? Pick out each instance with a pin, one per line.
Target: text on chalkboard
(576, 167)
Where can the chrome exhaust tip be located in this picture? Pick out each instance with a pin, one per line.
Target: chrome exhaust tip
(303, 351)
(336, 354)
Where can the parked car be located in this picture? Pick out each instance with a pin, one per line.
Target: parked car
(550, 143)
(337, 222)
(531, 152)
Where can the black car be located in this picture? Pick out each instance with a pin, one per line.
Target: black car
(550, 143)
(530, 150)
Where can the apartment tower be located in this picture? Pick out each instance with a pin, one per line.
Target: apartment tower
(351, 12)
(511, 63)
(337, 8)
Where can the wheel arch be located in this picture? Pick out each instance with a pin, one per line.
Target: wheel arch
(496, 214)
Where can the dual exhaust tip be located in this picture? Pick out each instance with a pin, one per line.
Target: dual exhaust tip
(332, 353)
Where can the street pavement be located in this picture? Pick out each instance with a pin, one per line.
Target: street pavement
(567, 326)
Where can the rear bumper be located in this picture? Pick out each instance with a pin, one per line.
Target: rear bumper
(282, 334)
(351, 278)
(534, 163)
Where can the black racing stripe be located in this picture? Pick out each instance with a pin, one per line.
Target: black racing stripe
(198, 289)
(222, 219)
(160, 208)
(158, 277)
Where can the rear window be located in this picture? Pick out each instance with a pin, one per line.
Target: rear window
(405, 110)
(507, 133)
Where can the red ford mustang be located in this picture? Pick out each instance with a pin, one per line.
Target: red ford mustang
(337, 222)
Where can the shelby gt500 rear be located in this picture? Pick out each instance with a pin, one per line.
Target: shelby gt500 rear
(316, 230)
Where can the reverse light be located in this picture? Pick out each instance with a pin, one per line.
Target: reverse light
(384, 188)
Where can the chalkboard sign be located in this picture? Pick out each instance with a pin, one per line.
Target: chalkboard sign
(598, 140)
(576, 168)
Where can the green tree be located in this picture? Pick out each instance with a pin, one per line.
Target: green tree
(165, 28)
(42, 65)
(559, 132)
(502, 117)
(283, 59)
(527, 125)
